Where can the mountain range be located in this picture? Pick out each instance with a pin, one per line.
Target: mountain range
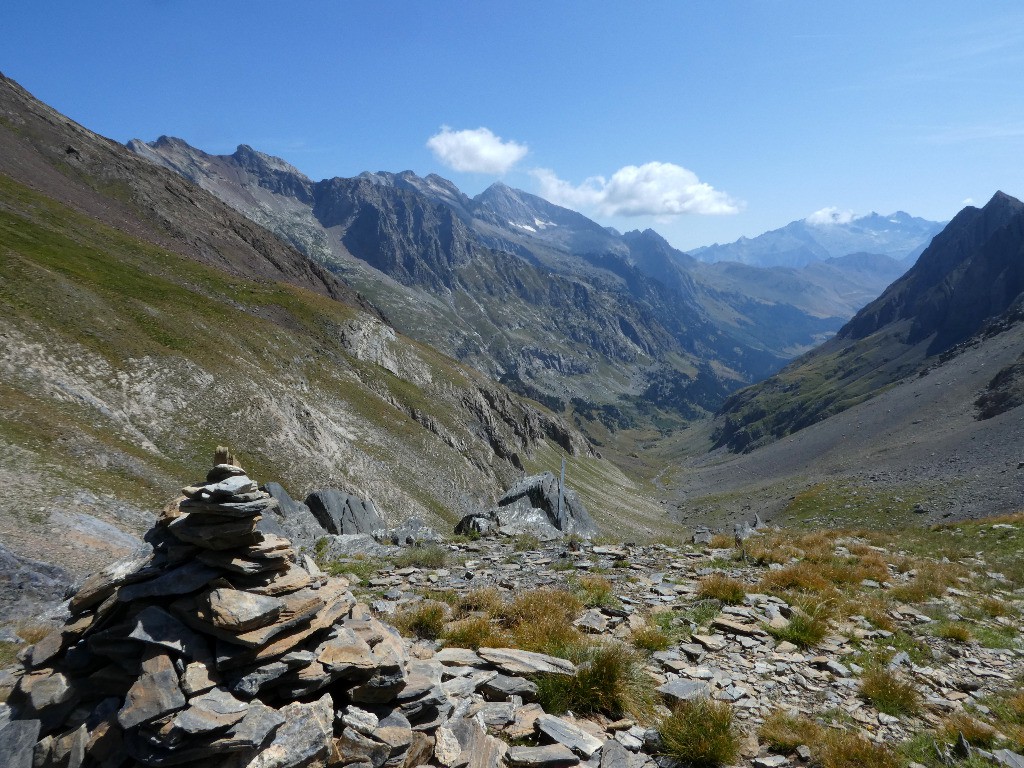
(617, 332)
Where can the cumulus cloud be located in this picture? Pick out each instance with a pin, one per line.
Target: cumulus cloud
(651, 189)
(830, 215)
(476, 151)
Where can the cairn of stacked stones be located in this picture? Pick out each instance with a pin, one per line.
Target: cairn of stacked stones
(220, 647)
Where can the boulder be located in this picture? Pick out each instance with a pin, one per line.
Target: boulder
(339, 512)
(292, 517)
(531, 507)
(542, 493)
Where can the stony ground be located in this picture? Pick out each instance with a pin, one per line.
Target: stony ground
(826, 648)
(950, 632)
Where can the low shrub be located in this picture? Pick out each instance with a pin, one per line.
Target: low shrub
(610, 680)
(888, 692)
(721, 587)
(700, 733)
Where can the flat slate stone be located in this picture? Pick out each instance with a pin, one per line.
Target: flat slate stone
(239, 611)
(178, 581)
(550, 756)
(516, 662)
(569, 735)
(685, 690)
(210, 712)
(504, 687)
(17, 739)
(304, 739)
(155, 626)
(154, 694)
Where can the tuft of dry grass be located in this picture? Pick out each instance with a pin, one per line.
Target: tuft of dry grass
(722, 541)
(32, 631)
(721, 587)
(596, 591)
(475, 632)
(957, 631)
(541, 620)
(610, 680)
(929, 580)
(888, 692)
(650, 638)
(977, 733)
(803, 576)
(425, 620)
(483, 599)
(842, 749)
(700, 733)
(783, 732)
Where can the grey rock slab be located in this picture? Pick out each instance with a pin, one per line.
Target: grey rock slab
(770, 761)
(550, 756)
(156, 693)
(304, 739)
(515, 662)
(569, 735)
(294, 517)
(615, 755)
(1008, 758)
(459, 657)
(542, 492)
(210, 712)
(684, 690)
(239, 611)
(592, 621)
(155, 626)
(17, 739)
(504, 687)
(222, 534)
(186, 578)
(340, 512)
(101, 585)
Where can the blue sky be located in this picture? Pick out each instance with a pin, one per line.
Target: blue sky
(703, 120)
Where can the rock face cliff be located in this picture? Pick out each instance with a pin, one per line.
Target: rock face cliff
(965, 288)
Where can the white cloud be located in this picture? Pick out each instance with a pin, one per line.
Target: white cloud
(830, 215)
(478, 151)
(968, 201)
(651, 189)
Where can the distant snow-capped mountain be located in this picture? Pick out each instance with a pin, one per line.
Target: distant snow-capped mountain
(827, 235)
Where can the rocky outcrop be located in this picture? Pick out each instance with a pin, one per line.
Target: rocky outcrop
(28, 586)
(339, 512)
(533, 507)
